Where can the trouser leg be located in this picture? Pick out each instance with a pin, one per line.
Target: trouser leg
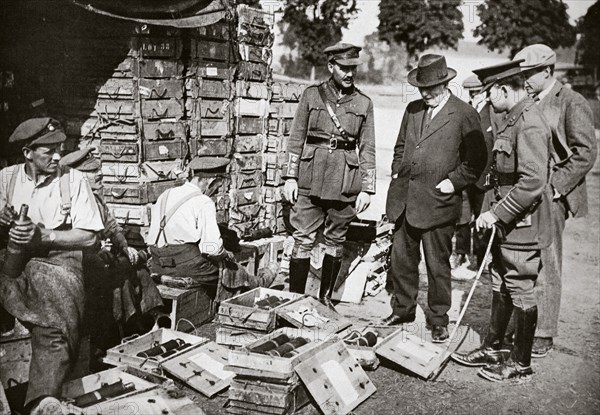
(463, 239)
(306, 217)
(437, 245)
(50, 363)
(548, 288)
(404, 269)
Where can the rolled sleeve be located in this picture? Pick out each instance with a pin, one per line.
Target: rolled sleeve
(211, 242)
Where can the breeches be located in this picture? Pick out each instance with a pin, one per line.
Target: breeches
(307, 216)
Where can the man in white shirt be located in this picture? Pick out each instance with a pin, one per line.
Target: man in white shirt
(48, 294)
(184, 238)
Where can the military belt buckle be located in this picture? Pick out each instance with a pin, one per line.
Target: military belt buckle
(333, 142)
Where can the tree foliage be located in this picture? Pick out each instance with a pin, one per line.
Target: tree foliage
(588, 50)
(421, 24)
(514, 24)
(309, 26)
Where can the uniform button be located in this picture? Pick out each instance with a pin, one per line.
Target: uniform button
(418, 147)
(337, 105)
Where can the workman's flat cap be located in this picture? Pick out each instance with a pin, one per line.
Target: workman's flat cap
(536, 56)
(492, 74)
(343, 54)
(208, 165)
(82, 160)
(472, 83)
(37, 132)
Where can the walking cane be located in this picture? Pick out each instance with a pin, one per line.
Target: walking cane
(446, 354)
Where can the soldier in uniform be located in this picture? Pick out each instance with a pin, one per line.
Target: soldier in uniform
(574, 152)
(519, 206)
(330, 167)
(64, 219)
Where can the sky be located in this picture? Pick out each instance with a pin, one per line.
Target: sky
(367, 20)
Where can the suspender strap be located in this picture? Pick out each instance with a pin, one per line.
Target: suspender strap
(65, 191)
(164, 218)
(334, 118)
(11, 185)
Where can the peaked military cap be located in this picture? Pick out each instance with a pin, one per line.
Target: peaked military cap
(472, 83)
(536, 56)
(492, 74)
(207, 166)
(343, 54)
(430, 71)
(82, 160)
(37, 132)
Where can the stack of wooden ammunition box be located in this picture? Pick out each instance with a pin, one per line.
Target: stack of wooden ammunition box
(284, 101)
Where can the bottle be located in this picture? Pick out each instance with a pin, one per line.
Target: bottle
(16, 257)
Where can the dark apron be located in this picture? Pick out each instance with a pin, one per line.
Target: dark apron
(184, 260)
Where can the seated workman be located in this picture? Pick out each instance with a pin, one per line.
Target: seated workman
(121, 298)
(184, 238)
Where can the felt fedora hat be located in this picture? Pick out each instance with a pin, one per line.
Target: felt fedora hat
(431, 71)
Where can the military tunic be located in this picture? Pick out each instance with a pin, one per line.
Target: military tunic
(332, 174)
(331, 167)
(521, 199)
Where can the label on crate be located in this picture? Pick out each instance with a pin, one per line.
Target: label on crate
(157, 47)
(215, 70)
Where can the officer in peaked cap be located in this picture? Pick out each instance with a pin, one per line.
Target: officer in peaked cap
(519, 205)
(574, 152)
(184, 238)
(327, 180)
(63, 220)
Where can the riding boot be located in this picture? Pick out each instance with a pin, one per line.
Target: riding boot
(299, 268)
(519, 363)
(329, 274)
(491, 352)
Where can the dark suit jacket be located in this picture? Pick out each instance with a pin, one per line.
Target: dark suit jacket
(452, 147)
(574, 142)
(489, 123)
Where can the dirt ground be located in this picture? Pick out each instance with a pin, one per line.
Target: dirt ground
(565, 382)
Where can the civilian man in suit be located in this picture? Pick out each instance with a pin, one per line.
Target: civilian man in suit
(574, 153)
(439, 151)
(464, 268)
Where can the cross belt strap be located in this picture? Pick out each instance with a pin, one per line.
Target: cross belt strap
(334, 118)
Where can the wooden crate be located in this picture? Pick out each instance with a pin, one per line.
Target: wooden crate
(318, 318)
(189, 308)
(257, 396)
(412, 348)
(241, 310)
(15, 355)
(245, 357)
(126, 353)
(365, 355)
(237, 336)
(78, 387)
(202, 368)
(335, 380)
